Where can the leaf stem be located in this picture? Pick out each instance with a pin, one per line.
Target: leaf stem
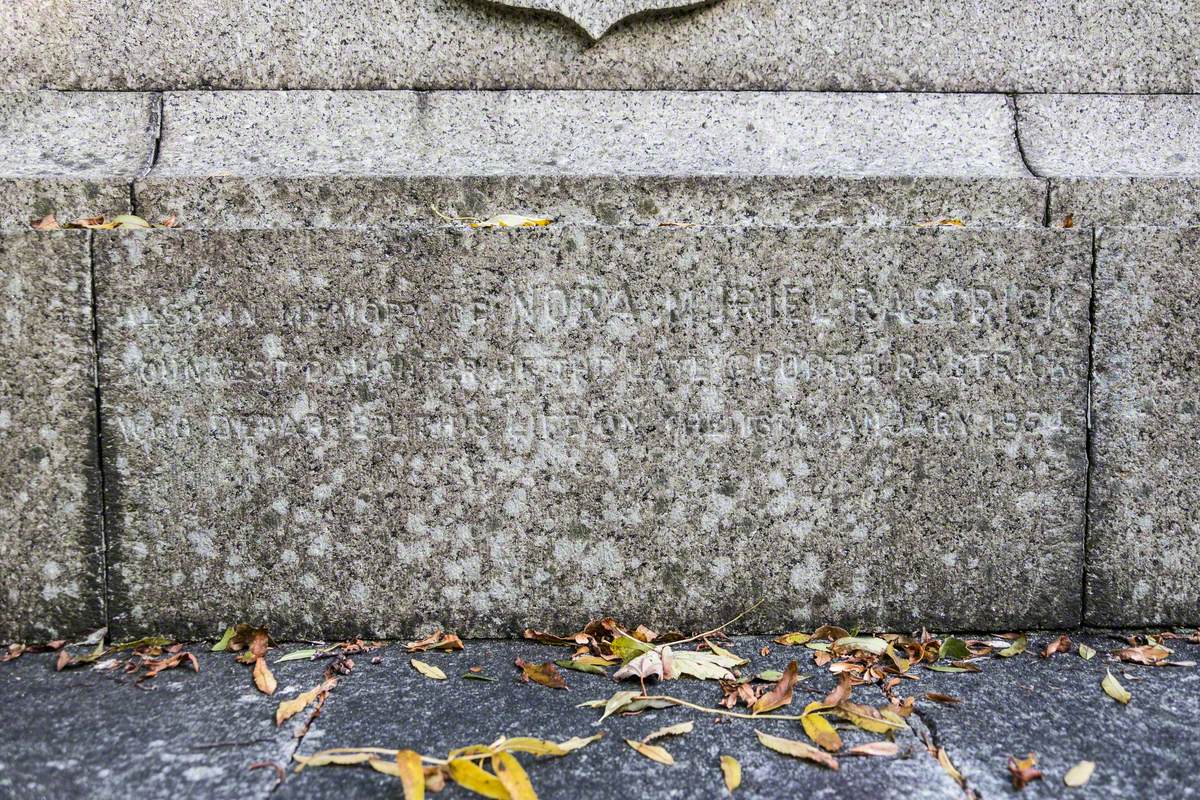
(669, 699)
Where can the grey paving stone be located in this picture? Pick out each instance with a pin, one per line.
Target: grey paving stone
(365, 159)
(360, 432)
(51, 544)
(1056, 709)
(1116, 160)
(71, 154)
(930, 45)
(1144, 547)
(390, 705)
(83, 733)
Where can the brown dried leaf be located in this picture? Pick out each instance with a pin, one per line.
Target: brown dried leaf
(46, 223)
(263, 678)
(1149, 654)
(438, 641)
(948, 766)
(290, 708)
(790, 747)
(1060, 645)
(546, 674)
(938, 697)
(780, 694)
(1024, 771)
(881, 749)
(155, 666)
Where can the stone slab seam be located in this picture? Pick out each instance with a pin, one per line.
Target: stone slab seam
(97, 434)
(156, 130)
(1013, 103)
(1089, 443)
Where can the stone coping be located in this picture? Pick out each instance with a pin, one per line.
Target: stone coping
(986, 45)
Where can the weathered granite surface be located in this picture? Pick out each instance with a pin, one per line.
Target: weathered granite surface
(1144, 544)
(182, 734)
(1116, 160)
(364, 159)
(71, 154)
(927, 45)
(363, 431)
(51, 544)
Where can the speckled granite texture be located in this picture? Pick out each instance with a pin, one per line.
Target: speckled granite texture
(71, 154)
(51, 546)
(1116, 160)
(357, 432)
(925, 45)
(365, 159)
(1144, 546)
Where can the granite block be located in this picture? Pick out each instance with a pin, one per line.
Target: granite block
(1144, 540)
(361, 432)
(1116, 160)
(365, 159)
(926, 45)
(51, 542)
(71, 154)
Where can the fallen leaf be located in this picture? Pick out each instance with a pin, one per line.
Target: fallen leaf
(821, 732)
(727, 658)
(528, 744)
(1016, 648)
(1085, 652)
(512, 221)
(869, 719)
(438, 641)
(130, 221)
(793, 639)
(428, 670)
(1023, 771)
(1060, 645)
(576, 742)
(780, 694)
(472, 777)
(956, 666)
(223, 644)
(953, 649)
(616, 703)
(153, 666)
(1079, 774)
(593, 664)
(46, 223)
(290, 708)
(1069, 221)
(1113, 688)
(881, 749)
(546, 674)
(297, 655)
(948, 767)
(651, 751)
(705, 666)
(791, 747)
(938, 697)
(670, 730)
(412, 774)
(1147, 654)
(475, 676)
(732, 771)
(770, 675)
(870, 644)
(263, 678)
(513, 776)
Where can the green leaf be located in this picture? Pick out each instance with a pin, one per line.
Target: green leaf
(628, 648)
(297, 655)
(1086, 653)
(953, 649)
(581, 666)
(1113, 688)
(475, 676)
(1016, 648)
(223, 644)
(769, 675)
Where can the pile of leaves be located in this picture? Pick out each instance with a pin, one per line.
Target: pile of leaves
(465, 766)
(144, 658)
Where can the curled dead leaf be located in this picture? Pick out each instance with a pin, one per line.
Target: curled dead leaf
(879, 749)
(1060, 645)
(264, 679)
(545, 674)
(438, 641)
(791, 747)
(780, 694)
(1023, 771)
(1113, 688)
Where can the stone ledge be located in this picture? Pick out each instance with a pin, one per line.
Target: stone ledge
(364, 159)
(930, 45)
(71, 153)
(1116, 160)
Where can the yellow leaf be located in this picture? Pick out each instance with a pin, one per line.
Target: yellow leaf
(130, 221)
(670, 730)
(867, 718)
(652, 752)
(1113, 688)
(949, 767)
(512, 221)
(290, 708)
(732, 771)
(791, 747)
(821, 732)
(340, 756)
(263, 678)
(1079, 774)
(1086, 653)
(513, 776)
(473, 777)
(793, 639)
(526, 744)
(428, 670)
(575, 742)
(1016, 648)
(412, 775)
